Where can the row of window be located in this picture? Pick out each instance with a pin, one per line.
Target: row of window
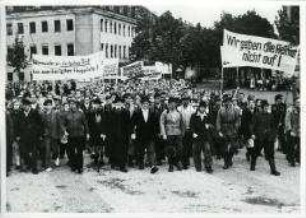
(44, 27)
(45, 50)
(115, 51)
(116, 28)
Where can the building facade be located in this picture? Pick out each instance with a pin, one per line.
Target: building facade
(69, 32)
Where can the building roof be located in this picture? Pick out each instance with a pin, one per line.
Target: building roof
(11, 15)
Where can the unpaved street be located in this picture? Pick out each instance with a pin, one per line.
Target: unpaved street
(233, 191)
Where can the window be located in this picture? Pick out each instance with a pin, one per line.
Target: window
(110, 27)
(21, 76)
(119, 29)
(57, 50)
(115, 51)
(33, 50)
(32, 27)
(123, 30)
(45, 50)
(101, 25)
(106, 50)
(70, 49)
(105, 26)
(44, 26)
(124, 48)
(10, 76)
(120, 55)
(57, 26)
(69, 24)
(115, 27)
(129, 31)
(20, 28)
(128, 51)
(111, 51)
(10, 52)
(102, 47)
(9, 29)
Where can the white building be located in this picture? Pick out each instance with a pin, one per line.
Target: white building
(68, 32)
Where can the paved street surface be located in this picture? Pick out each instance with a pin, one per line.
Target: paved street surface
(233, 191)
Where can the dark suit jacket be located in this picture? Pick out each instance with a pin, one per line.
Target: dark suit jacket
(145, 131)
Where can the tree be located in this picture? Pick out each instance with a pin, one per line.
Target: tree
(16, 57)
(288, 24)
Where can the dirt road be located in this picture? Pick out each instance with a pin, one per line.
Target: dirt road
(236, 190)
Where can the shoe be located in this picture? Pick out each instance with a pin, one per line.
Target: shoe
(80, 171)
(35, 171)
(185, 167)
(57, 162)
(179, 166)
(170, 168)
(123, 169)
(252, 168)
(198, 169)
(275, 173)
(49, 169)
(154, 170)
(225, 167)
(209, 170)
(292, 164)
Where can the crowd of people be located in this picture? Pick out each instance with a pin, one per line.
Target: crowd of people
(144, 125)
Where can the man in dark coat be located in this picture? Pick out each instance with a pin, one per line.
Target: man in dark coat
(96, 125)
(264, 133)
(29, 134)
(119, 134)
(144, 125)
(279, 112)
(200, 129)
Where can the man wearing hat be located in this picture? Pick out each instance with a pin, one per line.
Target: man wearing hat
(96, 127)
(145, 131)
(29, 135)
(279, 109)
(227, 124)
(201, 133)
(186, 109)
(172, 130)
(265, 133)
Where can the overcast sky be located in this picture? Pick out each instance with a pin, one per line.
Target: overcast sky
(208, 14)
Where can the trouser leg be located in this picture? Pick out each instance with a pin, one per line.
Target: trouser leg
(187, 149)
(207, 155)
(151, 153)
(197, 154)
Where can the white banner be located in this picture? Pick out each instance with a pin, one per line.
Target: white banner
(132, 70)
(240, 50)
(110, 68)
(67, 67)
(163, 68)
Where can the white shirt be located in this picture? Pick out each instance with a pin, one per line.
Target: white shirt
(145, 114)
(186, 113)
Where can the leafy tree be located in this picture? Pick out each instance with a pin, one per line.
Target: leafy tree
(16, 57)
(288, 24)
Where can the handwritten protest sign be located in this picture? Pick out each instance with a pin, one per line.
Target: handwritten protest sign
(67, 67)
(244, 50)
(132, 70)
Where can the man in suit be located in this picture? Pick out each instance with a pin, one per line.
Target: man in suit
(144, 125)
(29, 134)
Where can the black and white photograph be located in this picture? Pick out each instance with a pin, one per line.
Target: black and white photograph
(154, 108)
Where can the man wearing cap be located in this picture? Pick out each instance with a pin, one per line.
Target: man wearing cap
(227, 124)
(29, 135)
(186, 110)
(279, 112)
(265, 133)
(77, 129)
(172, 130)
(201, 133)
(144, 126)
(292, 128)
(52, 134)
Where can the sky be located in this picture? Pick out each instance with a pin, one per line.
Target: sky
(208, 14)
